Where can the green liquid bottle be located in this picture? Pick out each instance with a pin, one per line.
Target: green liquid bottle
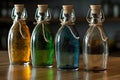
(42, 44)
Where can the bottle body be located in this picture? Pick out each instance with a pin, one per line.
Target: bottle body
(67, 49)
(42, 51)
(19, 46)
(95, 49)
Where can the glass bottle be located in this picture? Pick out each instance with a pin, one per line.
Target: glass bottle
(95, 42)
(42, 43)
(67, 42)
(19, 37)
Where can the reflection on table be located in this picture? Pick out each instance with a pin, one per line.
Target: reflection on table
(27, 72)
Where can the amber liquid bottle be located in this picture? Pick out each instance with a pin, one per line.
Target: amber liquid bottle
(19, 37)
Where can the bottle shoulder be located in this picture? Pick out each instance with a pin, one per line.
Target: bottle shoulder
(66, 32)
(95, 33)
(93, 30)
(21, 23)
(41, 27)
(41, 31)
(19, 28)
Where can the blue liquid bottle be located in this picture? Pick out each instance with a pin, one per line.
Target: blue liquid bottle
(67, 42)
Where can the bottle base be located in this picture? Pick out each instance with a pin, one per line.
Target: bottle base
(43, 66)
(21, 63)
(68, 68)
(95, 69)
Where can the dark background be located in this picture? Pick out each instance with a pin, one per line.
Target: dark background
(111, 24)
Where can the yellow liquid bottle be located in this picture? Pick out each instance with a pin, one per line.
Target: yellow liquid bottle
(19, 37)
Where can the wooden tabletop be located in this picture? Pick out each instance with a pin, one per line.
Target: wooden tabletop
(26, 72)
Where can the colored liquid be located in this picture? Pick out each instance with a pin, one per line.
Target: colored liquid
(19, 47)
(42, 51)
(67, 50)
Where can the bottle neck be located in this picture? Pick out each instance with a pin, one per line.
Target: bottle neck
(95, 19)
(41, 17)
(19, 16)
(66, 18)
